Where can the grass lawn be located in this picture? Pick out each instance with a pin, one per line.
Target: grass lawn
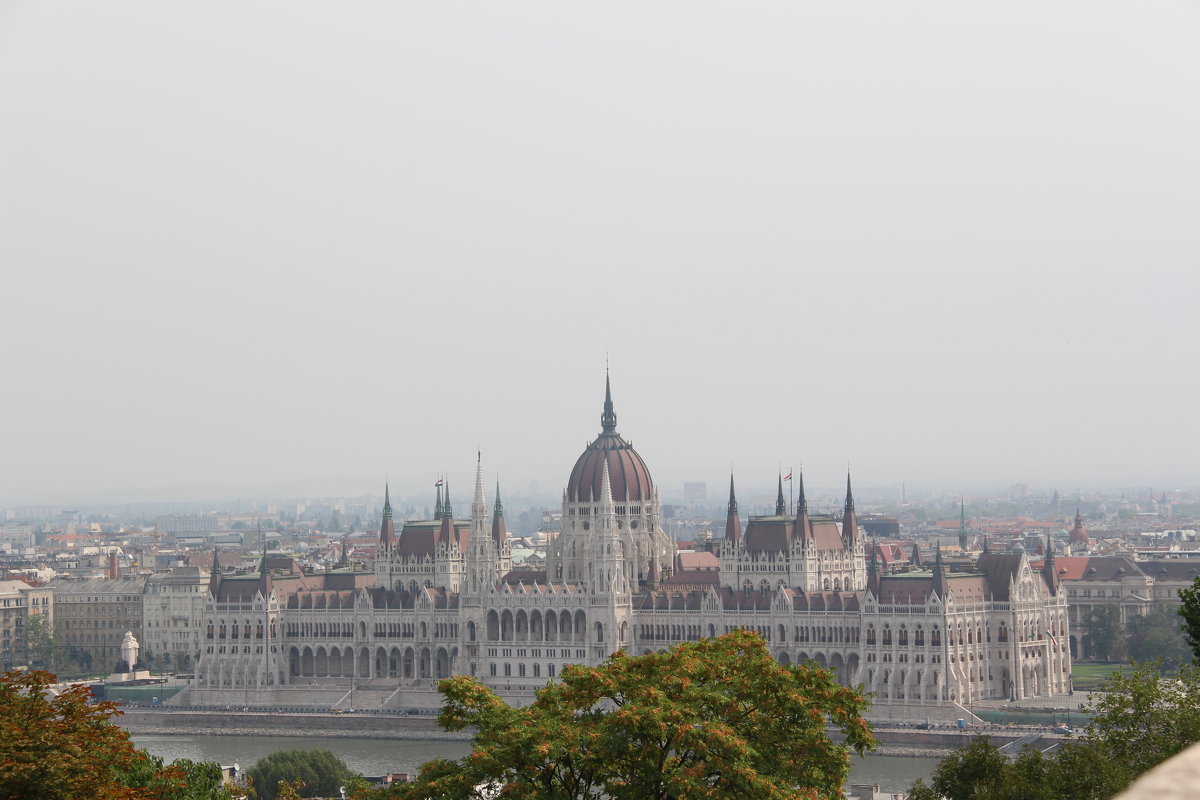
(1089, 677)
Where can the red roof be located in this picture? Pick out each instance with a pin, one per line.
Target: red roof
(627, 472)
(702, 560)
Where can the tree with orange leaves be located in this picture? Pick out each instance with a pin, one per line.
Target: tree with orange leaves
(63, 746)
(716, 718)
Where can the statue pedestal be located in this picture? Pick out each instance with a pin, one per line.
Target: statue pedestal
(125, 677)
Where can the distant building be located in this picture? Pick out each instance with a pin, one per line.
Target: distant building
(14, 536)
(695, 494)
(185, 525)
(19, 602)
(880, 527)
(172, 615)
(95, 614)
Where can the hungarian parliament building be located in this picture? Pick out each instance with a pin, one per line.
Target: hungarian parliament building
(443, 598)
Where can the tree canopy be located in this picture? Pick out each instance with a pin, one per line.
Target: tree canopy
(1105, 638)
(714, 718)
(1158, 635)
(63, 747)
(1140, 721)
(1190, 611)
(312, 772)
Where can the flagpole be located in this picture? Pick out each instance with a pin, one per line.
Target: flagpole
(791, 489)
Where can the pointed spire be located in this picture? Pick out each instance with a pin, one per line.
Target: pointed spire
(447, 533)
(803, 528)
(438, 508)
(939, 573)
(479, 509)
(608, 420)
(606, 497)
(387, 528)
(915, 559)
(986, 549)
(780, 503)
(499, 533)
(344, 559)
(849, 518)
(873, 571)
(733, 525)
(1048, 569)
(479, 498)
(216, 565)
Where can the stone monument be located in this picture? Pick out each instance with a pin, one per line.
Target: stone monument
(129, 668)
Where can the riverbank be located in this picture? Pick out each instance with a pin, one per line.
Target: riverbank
(906, 742)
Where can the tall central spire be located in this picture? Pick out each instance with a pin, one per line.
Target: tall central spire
(733, 525)
(608, 420)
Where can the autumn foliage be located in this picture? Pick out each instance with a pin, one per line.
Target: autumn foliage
(65, 747)
(715, 718)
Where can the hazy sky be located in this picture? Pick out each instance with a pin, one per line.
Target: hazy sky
(293, 246)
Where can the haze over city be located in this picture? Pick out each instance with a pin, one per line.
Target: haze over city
(255, 250)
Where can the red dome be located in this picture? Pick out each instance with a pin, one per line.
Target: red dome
(627, 473)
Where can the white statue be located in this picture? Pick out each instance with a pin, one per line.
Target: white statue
(129, 650)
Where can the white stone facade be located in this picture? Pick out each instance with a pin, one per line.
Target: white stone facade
(442, 599)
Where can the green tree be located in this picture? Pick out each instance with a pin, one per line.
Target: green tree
(1105, 639)
(1141, 720)
(319, 773)
(45, 644)
(1190, 611)
(715, 718)
(1158, 635)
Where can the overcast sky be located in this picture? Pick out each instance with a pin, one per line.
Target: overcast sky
(293, 247)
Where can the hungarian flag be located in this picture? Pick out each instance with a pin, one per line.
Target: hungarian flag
(787, 477)
(439, 482)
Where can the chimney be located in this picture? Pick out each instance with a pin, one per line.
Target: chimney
(114, 571)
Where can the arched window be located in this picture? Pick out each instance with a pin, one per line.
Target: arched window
(887, 635)
(508, 670)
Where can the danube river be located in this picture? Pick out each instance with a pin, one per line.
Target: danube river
(380, 756)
